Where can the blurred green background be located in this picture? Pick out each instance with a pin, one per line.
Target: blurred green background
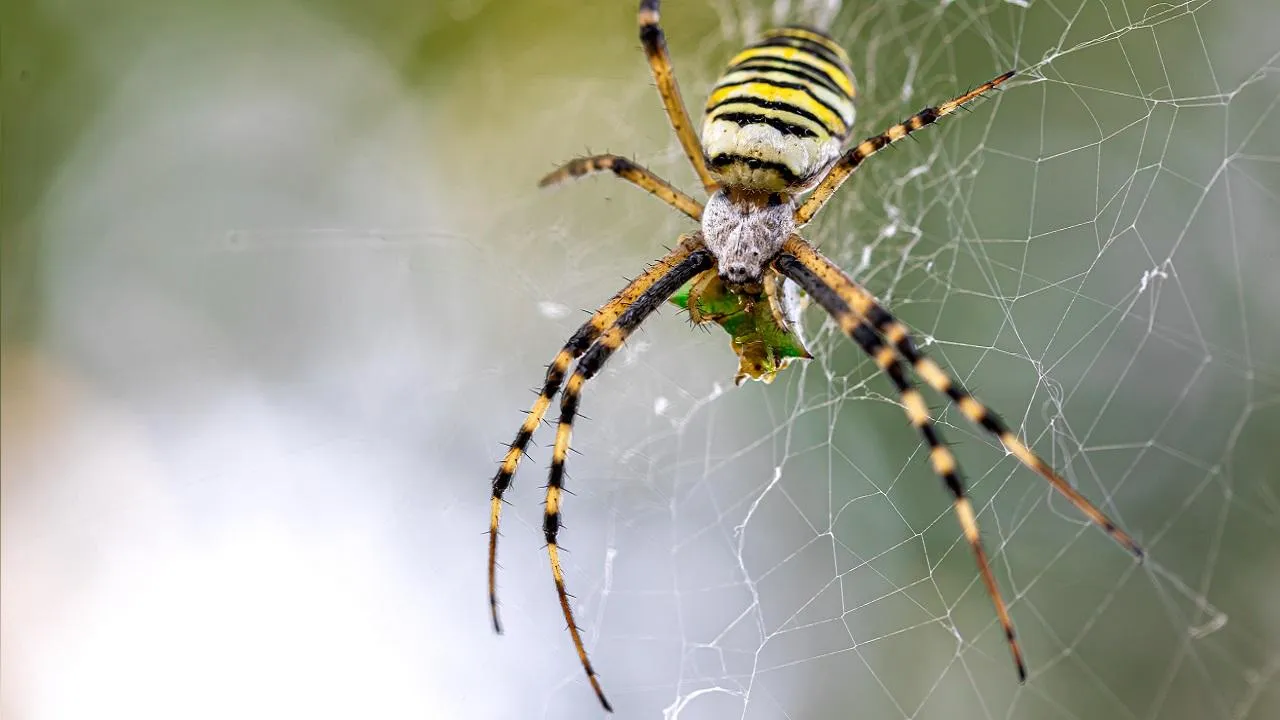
(276, 280)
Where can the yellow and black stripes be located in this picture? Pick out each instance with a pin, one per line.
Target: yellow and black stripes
(917, 410)
(801, 57)
(861, 302)
(796, 82)
(865, 149)
(590, 363)
(654, 42)
(788, 107)
(636, 174)
(556, 371)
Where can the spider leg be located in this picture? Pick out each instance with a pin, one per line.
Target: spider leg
(637, 175)
(700, 284)
(590, 363)
(854, 156)
(865, 306)
(655, 50)
(556, 371)
(940, 457)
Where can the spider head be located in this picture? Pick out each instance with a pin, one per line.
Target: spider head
(745, 229)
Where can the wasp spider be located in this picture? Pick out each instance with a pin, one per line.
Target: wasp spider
(772, 154)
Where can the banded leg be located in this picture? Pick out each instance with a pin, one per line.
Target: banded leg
(861, 302)
(940, 457)
(556, 371)
(854, 156)
(637, 175)
(587, 367)
(655, 50)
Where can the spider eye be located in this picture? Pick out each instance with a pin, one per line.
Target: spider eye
(737, 272)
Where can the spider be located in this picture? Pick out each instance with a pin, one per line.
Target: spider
(772, 153)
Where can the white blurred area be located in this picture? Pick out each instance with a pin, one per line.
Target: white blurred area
(200, 516)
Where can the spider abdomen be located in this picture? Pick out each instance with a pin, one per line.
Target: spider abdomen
(780, 114)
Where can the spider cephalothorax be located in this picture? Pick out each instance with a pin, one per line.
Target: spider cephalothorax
(745, 229)
(775, 128)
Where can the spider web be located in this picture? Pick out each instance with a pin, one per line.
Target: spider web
(1079, 251)
(272, 308)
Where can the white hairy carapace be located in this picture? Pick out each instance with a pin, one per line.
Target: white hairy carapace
(745, 230)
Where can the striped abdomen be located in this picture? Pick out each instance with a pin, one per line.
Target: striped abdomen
(781, 112)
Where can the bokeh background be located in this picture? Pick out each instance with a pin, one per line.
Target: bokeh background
(276, 281)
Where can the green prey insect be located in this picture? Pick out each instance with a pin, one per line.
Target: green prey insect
(763, 327)
(773, 151)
